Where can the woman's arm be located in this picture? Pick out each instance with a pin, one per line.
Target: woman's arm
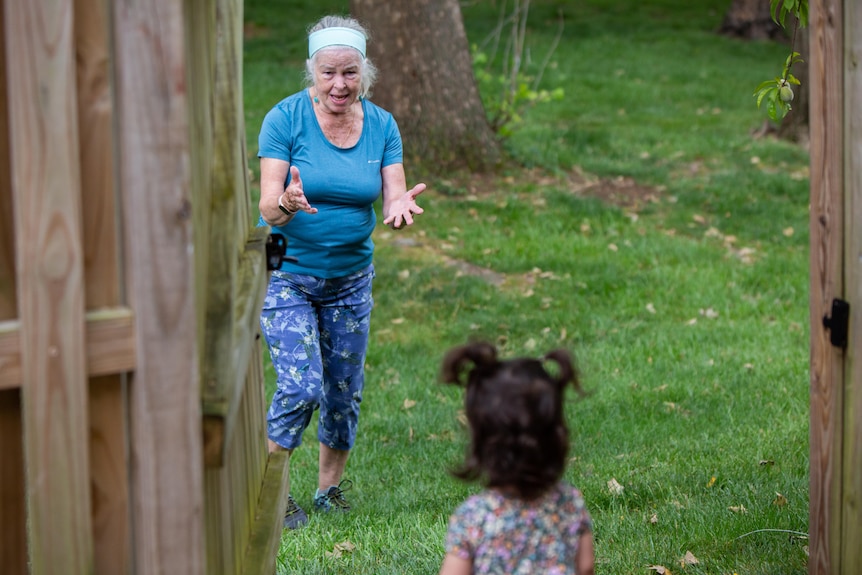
(399, 205)
(454, 565)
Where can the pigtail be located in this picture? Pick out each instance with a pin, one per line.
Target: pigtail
(566, 370)
(455, 369)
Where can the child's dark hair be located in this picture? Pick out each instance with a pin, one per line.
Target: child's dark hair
(519, 438)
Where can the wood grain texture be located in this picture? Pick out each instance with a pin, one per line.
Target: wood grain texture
(851, 560)
(153, 129)
(110, 346)
(826, 283)
(46, 197)
(8, 297)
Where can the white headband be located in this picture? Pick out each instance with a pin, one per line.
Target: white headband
(336, 36)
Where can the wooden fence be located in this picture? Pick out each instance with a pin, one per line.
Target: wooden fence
(835, 66)
(131, 397)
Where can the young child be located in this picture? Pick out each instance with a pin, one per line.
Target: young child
(527, 520)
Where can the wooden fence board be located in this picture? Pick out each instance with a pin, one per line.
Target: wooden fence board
(46, 197)
(110, 345)
(851, 534)
(8, 299)
(153, 127)
(826, 223)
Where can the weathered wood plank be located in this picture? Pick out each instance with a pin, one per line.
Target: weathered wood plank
(46, 197)
(153, 146)
(827, 228)
(8, 298)
(109, 476)
(234, 257)
(13, 510)
(266, 533)
(221, 403)
(110, 346)
(851, 561)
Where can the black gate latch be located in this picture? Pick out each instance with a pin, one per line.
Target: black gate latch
(839, 323)
(276, 248)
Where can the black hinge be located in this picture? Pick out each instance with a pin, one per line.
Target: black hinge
(276, 248)
(838, 323)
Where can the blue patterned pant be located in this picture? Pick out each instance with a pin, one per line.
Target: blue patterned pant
(317, 333)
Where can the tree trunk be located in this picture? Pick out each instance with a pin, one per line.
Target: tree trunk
(750, 19)
(426, 80)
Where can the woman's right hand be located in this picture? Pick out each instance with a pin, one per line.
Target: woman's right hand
(293, 199)
(273, 174)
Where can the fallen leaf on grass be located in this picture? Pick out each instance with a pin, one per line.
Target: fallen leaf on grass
(780, 500)
(398, 320)
(709, 313)
(614, 487)
(340, 549)
(766, 462)
(653, 519)
(650, 308)
(660, 569)
(408, 403)
(738, 509)
(689, 559)
(711, 481)
(462, 418)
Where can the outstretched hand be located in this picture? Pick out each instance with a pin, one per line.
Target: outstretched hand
(293, 199)
(402, 210)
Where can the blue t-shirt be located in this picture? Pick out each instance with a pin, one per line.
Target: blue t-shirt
(342, 184)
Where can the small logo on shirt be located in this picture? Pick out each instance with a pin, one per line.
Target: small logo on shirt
(373, 161)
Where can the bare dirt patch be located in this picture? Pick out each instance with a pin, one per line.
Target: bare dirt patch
(621, 191)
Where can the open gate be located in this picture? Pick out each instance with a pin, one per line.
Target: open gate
(132, 437)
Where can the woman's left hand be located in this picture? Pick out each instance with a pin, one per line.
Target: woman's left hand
(402, 210)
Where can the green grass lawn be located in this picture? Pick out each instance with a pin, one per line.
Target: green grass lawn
(644, 229)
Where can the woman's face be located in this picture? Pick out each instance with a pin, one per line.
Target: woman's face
(336, 78)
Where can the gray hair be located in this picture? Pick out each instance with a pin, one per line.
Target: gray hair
(367, 72)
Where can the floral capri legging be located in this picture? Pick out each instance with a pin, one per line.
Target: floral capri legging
(317, 333)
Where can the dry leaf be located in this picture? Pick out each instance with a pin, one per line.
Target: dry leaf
(340, 549)
(398, 320)
(462, 418)
(738, 509)
(711, 481)
(689, 559)
(766, 462)
(650, 308)
(403, 274)
(613, 247)
(780, 500)
(653, 519)
(408, 403)
(660, 569)
(787, 232)
(614, 487)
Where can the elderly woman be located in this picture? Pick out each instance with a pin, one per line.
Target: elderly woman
(326, 154)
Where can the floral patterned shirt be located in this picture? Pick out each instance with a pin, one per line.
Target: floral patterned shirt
(505, 535)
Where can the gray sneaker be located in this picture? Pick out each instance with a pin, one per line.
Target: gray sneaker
(333, 498)
(294, 516)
